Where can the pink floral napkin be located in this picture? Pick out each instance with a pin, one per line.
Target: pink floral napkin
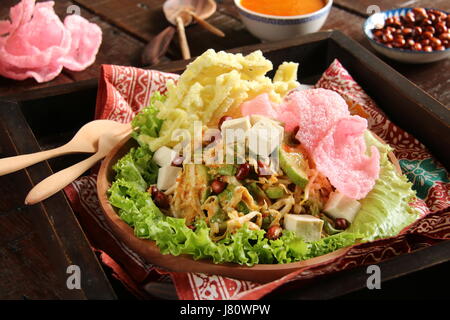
(123, 91)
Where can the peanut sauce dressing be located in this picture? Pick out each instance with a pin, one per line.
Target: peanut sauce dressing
(284, 7)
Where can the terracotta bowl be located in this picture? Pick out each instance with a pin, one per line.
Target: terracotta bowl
(148, 250)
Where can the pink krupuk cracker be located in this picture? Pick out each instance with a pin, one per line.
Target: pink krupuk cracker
(35, 43)
(341, 157)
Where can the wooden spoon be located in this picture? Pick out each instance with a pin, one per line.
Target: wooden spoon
(84, 141)
(205, 24)
(175, 14)
(159, 45)
(61, 179)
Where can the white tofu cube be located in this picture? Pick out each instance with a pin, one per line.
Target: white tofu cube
(167, 176)
(238, 123)
(305, 226)
(234, 132)
(254, 118)
(341, 206)
(264, 137)
(164, 156)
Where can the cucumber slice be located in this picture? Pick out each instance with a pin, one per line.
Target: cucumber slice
(295, 166)
(196, 175)
(275, 192)
(329, 229)
(220, 216)
(202, 178)
(257, 193)
(227, 170)
(242, 207)
(227, 194)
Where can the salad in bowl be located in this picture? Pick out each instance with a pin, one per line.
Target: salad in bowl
(235, 167)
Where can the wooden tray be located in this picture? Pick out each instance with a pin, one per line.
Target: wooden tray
(54, 114)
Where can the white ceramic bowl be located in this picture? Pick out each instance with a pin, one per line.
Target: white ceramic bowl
(402, 55)
(274, 28)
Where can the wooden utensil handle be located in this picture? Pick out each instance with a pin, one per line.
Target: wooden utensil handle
(207, 25)
(183, 40)
(12, 164)
(56, 182)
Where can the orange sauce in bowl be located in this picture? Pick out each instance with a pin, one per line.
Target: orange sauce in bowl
(283, 7)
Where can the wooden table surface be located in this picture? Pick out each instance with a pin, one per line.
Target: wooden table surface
(129, 24)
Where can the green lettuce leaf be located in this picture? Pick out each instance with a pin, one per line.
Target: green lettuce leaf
(146, 124)
(137, 167)
(132, 203)
(385, 211)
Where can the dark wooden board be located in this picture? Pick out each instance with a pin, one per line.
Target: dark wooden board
(433, 78)
(11, 87)
(117, 47)
(39, 242)
(346, 22)
(145, 19)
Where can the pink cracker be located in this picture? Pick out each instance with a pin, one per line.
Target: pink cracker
(36, 44)
(341, 156)
(86, 40)
(315, 111)
(260, 105)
